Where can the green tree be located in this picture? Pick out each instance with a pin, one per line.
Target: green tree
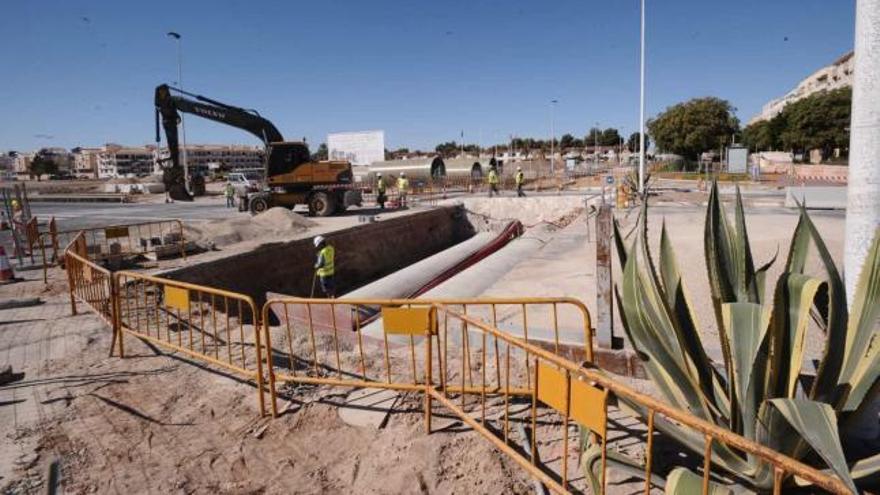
(609, 137)
(632, 144)
(819, 121)
(447, 149)
(566, 141)
(593, 136)
(697, 125)
(763, 135)
(41, 165)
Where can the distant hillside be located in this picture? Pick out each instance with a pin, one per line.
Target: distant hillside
(834, 76)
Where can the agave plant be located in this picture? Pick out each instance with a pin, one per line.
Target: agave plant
(760, 391)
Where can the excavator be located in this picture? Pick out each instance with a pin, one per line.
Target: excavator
(291, 177)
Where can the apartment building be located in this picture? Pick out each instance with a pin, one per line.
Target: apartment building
(85, 162)
(208, 159)
(114, 160)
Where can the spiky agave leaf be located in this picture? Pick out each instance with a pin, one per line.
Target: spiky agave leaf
(686, 326)
(830, 304)
(793, 298)
(746, 326)
(862, 353)
(683, 481)
(651, 329)
(816, 424)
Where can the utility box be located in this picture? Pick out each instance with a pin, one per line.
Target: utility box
(737, 159)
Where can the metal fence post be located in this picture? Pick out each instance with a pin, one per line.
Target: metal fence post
(604, 310)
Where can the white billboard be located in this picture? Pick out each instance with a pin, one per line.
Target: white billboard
(359, 148)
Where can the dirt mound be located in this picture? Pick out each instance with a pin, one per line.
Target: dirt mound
(530, 211)
(273, 224)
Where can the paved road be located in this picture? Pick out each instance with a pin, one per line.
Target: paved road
(80, 215)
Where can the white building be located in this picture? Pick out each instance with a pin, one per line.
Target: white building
(359, 148)
(85, 162)
(208, 158)
(114, 160)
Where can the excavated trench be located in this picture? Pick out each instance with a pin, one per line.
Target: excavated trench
(364, 254)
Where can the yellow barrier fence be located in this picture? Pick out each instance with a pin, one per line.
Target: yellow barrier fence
(161, 238)
(341, 342)
(564, 393)
(88, 283)
(216, 326)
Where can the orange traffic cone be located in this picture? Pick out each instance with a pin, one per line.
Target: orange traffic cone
(6, 273)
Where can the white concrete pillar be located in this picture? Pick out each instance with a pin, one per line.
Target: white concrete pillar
(863, 190)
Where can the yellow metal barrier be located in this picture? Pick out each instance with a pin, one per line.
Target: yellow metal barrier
(126, 239)
(573, 392)
(337, 342)
(88, 282)
(211, 325)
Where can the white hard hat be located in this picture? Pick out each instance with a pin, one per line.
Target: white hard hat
(379, 174)
(318, 240)
(519, 168)
(403, 174)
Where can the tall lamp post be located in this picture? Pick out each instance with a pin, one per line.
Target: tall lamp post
(553, 136)
(176, 36)
(642, 106)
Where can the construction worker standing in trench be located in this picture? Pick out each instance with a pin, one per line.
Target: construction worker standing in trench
(380, 191)
(402, 189)
(493, 182)
(325, 267)
(520, 180)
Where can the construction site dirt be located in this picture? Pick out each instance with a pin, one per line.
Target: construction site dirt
(158, 421)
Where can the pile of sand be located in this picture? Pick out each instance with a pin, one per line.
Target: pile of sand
(275, 224)
(529, 210)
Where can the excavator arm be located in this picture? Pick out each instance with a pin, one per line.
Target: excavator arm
(170, 101)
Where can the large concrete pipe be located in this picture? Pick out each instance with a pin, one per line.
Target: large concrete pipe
(408, 280)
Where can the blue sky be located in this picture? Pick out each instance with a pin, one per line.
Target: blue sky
(83, 72)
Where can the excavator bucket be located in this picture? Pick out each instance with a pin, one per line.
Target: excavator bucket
(175, 184)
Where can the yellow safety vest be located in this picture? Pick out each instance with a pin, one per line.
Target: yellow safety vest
(493, 177)
(380, 186)
(230, 191)
(520, 178)
(327, 254)
(402, 184)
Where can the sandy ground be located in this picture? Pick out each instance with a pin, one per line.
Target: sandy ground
(157, 422)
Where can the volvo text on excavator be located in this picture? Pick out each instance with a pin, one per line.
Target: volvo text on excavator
(290, 176)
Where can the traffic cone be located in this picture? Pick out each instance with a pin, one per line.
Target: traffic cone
(6, 273)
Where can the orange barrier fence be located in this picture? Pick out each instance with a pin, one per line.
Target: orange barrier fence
(323, 341)
(502, 366)
(89, 283)
(162, 238)
(216, 326)
(567, 394)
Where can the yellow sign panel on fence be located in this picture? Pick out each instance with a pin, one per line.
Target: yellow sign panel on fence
(552, 389)
(589, 406)
(177, 298)
(115, 232)
(409, 321)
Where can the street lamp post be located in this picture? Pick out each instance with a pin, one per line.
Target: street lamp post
(642, 106)
(596, 148)
(183, 160)
(553, 136)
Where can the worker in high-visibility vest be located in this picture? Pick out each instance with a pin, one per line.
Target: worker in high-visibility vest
(325, 269)
(380, 191)
(520, 178)
(402, 190)
(493, 182)
(229, 192)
